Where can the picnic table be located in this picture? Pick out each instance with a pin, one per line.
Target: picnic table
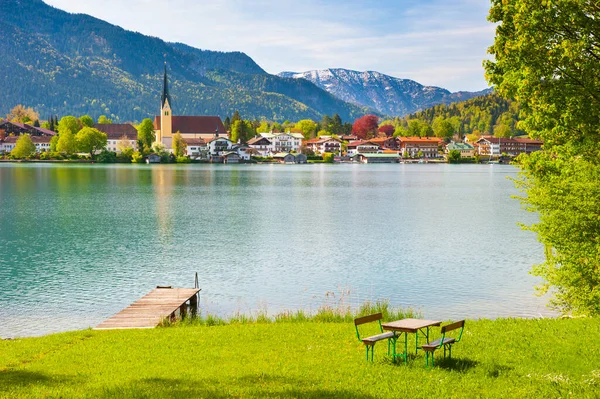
(409, 326)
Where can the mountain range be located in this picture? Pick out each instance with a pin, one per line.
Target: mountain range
(62, 63)
(386, 94)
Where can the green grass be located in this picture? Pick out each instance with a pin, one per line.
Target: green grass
(509, 358)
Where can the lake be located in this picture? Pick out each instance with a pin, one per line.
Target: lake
(80, 242)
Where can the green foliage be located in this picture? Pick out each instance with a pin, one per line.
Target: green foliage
(86, 120)
(442, 128)
(137, 157)
(307, 127)
(328, 157)
(263, 127)
(454, 156)
(53, 144)
(103, 120)
(241, 130)
(107, 156)
(546, 57)
(68, 123)
(146, 133)
(178, 145)
(66, 143)
(24, 147)
(91, 140)
(183, 159)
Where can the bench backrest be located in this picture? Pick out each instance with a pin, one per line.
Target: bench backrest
(453, 326)
(367, 319)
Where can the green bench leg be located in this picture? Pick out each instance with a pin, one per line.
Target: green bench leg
(372, 350)
(427, 359)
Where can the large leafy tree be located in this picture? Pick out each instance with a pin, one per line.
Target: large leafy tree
(68, 123)
(308, 128)
(146, 133)
(91, 140)
(86, 120)
(178, 145)
(547, 57)
(66, 142)
(366, 127)
(23, 114)
(24, 147)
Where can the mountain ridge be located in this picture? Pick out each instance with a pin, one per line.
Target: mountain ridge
(387, 94)
(62, 63)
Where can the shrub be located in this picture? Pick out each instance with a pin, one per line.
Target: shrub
(183, 159)
(107, 157)
(137, 157)
(328, 157)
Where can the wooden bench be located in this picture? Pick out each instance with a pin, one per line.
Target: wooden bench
(372, 340)
(445, 342)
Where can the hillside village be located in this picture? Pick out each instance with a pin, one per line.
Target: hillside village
(206, 139)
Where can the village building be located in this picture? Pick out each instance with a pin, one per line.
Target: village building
(428, 146)
(119, 136)
(325, 144)
(11, 131)
(466, 150)
(261, 145)
(283, 142)
(196, 148)
(362, 147)
(496, 146)
(377, 158)
(390, 143)
(190, 127)
(42, 143)
(284, 157)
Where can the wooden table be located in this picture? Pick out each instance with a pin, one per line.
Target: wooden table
(406, 326)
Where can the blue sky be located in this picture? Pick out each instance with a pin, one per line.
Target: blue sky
(435, 42)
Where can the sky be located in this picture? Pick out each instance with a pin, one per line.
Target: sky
(435, 42)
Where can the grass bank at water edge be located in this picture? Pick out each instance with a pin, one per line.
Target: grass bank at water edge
(509, 358)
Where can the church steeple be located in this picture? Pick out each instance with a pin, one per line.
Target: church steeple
(165, 93)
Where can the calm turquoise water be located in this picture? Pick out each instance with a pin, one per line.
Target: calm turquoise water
(80, 242)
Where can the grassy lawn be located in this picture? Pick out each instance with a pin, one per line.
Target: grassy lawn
(508, 358)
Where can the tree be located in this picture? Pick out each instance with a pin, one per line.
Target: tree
(68, 123)
(53, 143)
(388, 130)
(442, 128)
(125, 147)
(454, 156)
(179, 145)
(502, 130)
(66, 143)
(263, 127)
(103, 120)
(23, 115)
(241, 131)
(86, 120)
(236, 117)
(414, 128)
(366, 127)
(227, 124)
(146, 133)
(91, 140)
(545, 56)
(24, 147)
(308, 128)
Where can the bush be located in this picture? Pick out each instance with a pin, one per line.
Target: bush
(183, 159)
(107, 157)
(328, 157)
(137, 157)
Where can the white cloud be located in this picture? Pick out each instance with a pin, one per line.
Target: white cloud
(435, 42)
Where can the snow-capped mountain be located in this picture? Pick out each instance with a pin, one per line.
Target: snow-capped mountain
(386, 94)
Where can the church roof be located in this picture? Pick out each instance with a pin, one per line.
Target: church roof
(165, 93)
(194, 124)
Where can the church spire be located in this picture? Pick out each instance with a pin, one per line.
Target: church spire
(165, 93)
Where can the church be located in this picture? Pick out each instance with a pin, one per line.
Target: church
(192, 128)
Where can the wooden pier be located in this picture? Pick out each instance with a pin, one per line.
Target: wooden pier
(162, 303)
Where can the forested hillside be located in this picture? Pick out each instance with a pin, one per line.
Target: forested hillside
(485, 115)
(61, 63)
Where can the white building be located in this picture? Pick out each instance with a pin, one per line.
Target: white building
(283, 142)
(119, 135)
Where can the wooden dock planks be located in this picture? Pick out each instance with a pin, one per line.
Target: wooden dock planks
(151, 309)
